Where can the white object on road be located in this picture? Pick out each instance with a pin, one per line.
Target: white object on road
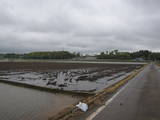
(94, 114)
(82, 106)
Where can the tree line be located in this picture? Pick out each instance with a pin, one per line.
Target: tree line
(42, 55)
(141, 54)
(115, 54)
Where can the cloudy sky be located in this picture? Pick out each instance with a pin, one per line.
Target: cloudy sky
(87, 26)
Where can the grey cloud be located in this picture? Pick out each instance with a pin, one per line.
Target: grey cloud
(85, 26)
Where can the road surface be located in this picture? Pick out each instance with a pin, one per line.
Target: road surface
(139, 100)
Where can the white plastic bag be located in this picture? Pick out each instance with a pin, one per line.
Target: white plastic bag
(82, 106)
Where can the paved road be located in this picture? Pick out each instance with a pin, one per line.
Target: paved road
(140, 100)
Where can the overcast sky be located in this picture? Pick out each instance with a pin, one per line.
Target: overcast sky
(86, 26)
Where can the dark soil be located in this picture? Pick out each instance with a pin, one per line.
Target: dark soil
(43, 66)
(63, 75)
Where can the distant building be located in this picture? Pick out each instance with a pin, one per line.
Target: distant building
(139, 59)
(88, 57)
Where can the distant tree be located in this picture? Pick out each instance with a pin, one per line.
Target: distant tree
(51, 55)
(115, 54)
(145, 54)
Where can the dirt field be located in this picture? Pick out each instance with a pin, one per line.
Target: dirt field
(74, 77)
(51, 65)
(65, 76)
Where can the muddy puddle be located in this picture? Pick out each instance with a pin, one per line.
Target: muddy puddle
(88, 79)
(18, 103)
